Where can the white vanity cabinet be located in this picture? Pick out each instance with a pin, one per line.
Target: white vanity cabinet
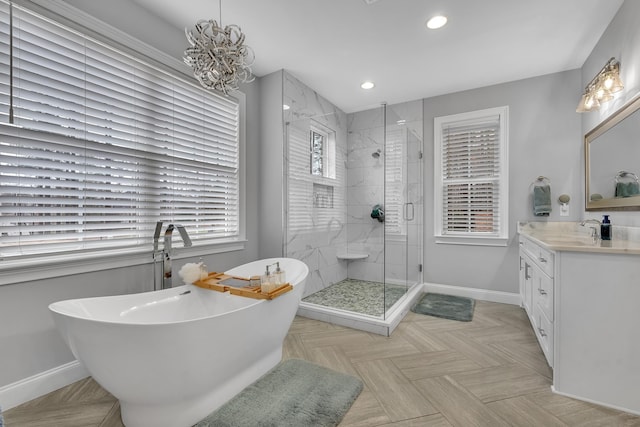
(583, 301)
(537, 291)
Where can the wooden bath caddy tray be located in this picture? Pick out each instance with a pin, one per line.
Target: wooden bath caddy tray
(222, 282)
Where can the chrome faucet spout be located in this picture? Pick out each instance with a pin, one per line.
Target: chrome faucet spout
(156, 235)
(185, 236)
(167, 238)
(166, 250)
(156, 239)
(595, 228)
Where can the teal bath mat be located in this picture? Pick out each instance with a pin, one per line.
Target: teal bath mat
(446, 306)
(294, 393)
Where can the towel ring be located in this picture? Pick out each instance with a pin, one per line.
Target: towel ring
(540, 181)
(626, 176)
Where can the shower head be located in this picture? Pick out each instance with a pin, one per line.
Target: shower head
(376, 154)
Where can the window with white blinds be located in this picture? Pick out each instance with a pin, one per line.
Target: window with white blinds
(103, 145)
(471, 177)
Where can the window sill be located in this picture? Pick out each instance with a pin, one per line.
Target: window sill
(29, 269)
(472, 240)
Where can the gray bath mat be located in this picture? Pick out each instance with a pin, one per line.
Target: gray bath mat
(294, 393)
(446, 306)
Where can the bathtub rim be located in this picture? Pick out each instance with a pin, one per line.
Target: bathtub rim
(178, 291)
(54, 309)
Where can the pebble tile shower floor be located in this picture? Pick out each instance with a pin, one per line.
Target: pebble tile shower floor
(359, 296)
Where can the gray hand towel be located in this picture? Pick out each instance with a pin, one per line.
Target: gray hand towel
(541, 200)
(627, 189)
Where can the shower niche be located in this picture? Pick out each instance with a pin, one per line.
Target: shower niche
(322, 196)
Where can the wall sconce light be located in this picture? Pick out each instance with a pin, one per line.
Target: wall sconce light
(601, 88)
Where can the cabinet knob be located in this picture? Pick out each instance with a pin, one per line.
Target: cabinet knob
(542, 291)
(542, 333)
(542, 259)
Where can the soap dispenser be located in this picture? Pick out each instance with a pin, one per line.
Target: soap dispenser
(280, 275)
(605, 228)
(265, 281)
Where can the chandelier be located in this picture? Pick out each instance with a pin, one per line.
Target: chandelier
(601, 88)
(218, 56)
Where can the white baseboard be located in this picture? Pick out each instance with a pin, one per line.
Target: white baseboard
(595, 402)
(479, 294)
(40, 384)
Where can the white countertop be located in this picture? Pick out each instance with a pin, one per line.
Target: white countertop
(571, 236)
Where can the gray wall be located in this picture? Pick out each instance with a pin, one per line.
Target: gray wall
(271, 167)
(622, 41)
(544, 139)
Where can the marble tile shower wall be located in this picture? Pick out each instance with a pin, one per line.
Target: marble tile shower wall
(365, 188)
(314, 233)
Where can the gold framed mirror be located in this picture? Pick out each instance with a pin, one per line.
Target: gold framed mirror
(612, 161)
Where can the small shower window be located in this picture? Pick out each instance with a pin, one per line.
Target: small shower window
(323, 151)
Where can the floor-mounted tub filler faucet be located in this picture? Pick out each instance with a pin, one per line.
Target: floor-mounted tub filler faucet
(595, 229)
(167, 250)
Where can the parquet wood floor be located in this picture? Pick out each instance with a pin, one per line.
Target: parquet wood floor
(430, 372)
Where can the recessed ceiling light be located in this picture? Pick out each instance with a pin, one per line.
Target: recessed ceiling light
(436, 22)
(367, 85)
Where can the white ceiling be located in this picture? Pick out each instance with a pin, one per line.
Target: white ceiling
(334, 45)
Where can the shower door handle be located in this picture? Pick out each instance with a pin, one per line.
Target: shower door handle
(408, 208)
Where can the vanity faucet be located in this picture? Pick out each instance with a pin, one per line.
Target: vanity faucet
(595, 230)
(166, 251)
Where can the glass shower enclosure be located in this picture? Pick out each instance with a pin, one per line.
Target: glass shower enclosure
(353, 207)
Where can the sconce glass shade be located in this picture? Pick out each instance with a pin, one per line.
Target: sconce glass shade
(602, 94)
(612, 81)
(581, 108)
(587, 103)
(592, 102)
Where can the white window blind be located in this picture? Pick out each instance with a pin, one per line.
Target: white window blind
(471, 175)
(103, 145)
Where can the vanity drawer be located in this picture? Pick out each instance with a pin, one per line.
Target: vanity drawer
(540, 255)
(543, 293)
(545, 260)
(528, 246)
(544, 333)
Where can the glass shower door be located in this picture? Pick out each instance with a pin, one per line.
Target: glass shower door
(403, 202)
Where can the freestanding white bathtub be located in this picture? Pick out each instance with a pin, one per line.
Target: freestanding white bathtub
(173, 356)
